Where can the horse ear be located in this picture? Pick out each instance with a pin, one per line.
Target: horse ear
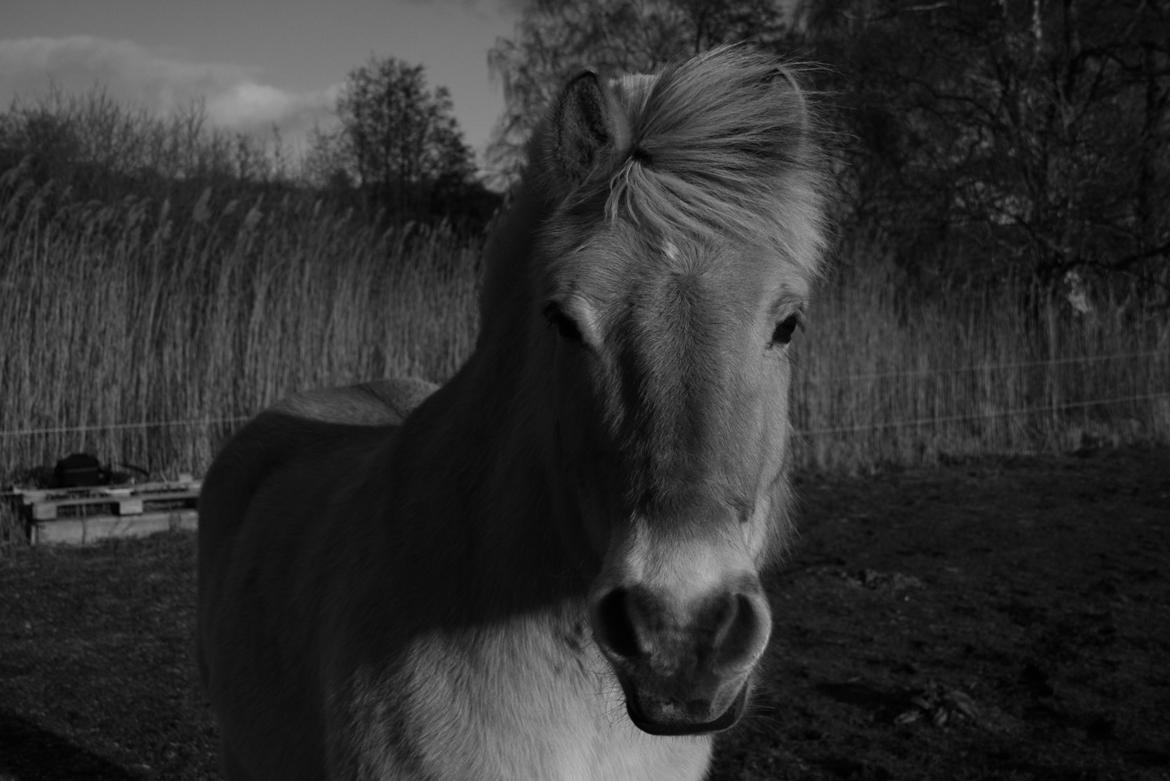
(791, 85)
(583, 127)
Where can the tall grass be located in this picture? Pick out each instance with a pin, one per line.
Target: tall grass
(888, 376)
(143, 335)
(132, 315)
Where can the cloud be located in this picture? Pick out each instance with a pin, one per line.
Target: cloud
(483, 8)
(249, 106)
(234, 96)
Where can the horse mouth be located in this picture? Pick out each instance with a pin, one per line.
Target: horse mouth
(682, 726)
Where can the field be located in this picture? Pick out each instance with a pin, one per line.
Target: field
(989, 619)
(948, 613)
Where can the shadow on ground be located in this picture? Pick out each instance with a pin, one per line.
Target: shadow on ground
(31, 753)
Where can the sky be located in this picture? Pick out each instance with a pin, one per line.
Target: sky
(253, 63)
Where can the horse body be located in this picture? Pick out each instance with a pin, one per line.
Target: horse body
(300, 700)
(549, 567)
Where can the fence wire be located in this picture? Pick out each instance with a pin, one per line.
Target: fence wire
(995, 367)
(977, 415)
(208, 422)
(28, 432)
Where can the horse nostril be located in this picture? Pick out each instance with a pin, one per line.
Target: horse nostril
(615, 626)
(724, 616)
(743, 631)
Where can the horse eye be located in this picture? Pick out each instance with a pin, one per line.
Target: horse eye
(564, 324)
(784, 330)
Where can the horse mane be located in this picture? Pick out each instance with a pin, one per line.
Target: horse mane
(723, 144)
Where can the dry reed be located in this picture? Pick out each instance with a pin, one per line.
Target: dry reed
(154, 332)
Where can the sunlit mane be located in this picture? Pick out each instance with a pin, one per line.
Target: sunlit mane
(720, 144)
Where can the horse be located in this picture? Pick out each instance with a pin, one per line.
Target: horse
(549, 567)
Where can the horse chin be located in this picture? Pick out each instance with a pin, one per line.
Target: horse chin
(682, 725)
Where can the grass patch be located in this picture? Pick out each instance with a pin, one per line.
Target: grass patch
(980, 621)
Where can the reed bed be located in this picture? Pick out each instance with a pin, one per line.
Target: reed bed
(887, 376)
(146, 336)
(145, 333)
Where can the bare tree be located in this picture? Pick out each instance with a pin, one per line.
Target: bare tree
(398, 140)
(1034, 132)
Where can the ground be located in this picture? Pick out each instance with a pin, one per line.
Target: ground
(998, 619)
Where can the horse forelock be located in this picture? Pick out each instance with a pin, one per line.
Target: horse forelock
(722, 145)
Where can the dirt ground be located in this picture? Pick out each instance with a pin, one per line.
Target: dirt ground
(1000, 619)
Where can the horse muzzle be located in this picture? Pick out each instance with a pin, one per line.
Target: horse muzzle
(659, 714)
(684, 670)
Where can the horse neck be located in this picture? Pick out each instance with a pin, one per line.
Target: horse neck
(476, 442)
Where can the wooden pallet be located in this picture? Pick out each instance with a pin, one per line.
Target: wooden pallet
(82, 515)
(90, 529)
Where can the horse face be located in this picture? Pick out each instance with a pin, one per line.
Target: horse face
(681, 228)
(668, 439)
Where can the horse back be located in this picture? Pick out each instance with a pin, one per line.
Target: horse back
(303, 424)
